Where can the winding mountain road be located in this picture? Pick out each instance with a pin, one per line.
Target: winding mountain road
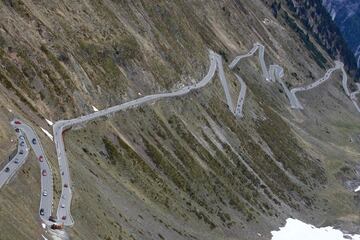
(17, 161)
(261, 48)
(60, 126)
(276, 71)
(63, 213)
(338, 65)
(46, 200)
(354, 98)
(273, 74)
(240, 102)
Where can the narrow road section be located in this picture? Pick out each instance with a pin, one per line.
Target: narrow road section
(276, 73)
(261, 48)
(63, 211)
(338, 65)
(18, 160)
(63, 217)
(273, 74)
(240, 102)
(354, 98)
(25, 132)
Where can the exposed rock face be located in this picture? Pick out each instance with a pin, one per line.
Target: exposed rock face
(317, 21)
(346, 14)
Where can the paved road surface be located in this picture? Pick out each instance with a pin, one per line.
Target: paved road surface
(261, 48)
(215, 64)
(344, 80)
(27, 132)
(240, 102)
(338, 65)
(354, 98)
(276, 73)
(273, 74)
(17, 161)
(63, 213)
(60, 126)
(224, 82)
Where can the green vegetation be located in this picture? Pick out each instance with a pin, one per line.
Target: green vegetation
(288, 152)
(2, 44)
(181, 165)
(5, 81)
(127, 49)
(19, 7)
(224, 176)
(165, 165)
(315, 18)
(165, 75)
(17, 79)
(58, 67)
(104, 59)
(316, 54)
(132, 165)
(266, 168)
(111, 150)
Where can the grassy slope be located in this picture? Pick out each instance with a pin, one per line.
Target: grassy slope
(181, 168)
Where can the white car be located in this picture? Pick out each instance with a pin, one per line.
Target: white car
(62, 205)
(44, 193)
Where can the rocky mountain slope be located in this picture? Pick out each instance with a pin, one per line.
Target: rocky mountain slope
(317, 22)
(346, 14)
(181, 168)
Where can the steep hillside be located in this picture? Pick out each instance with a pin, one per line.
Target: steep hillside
(185, 167)
(346, 14)
(317, 22)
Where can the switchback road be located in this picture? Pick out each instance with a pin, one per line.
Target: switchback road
(17, 161)
(25, 132)
(338, 65)
(272, 74)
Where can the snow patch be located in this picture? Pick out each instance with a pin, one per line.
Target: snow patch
(297, 230)
(47, 134)
(49, 122)
(95, 109)
(333, 14)
(58, 234)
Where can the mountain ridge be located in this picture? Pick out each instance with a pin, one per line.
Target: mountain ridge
(317, 22)
(346, 14)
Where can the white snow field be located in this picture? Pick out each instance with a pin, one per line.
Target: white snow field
(297, 230)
